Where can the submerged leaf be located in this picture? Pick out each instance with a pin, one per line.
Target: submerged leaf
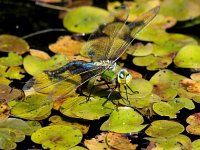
(57, 137)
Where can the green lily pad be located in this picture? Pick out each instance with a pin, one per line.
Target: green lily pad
(57, 120)
(175, 142)
(84, 20)
(140, 49)
(188, 57)
(34, 107)
(165, 109)
(166, 84)
(57, 137)
(93, 109)
(124, 120)
(12, 60)
(196, 144)
(35, 65)
(164, 128)
(17, 124)
(9, 137)
(140, 87)
(190, 9)
(10, 43)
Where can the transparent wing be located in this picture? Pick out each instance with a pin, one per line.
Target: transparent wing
(100, 42)
(61, 85)
(130, 33)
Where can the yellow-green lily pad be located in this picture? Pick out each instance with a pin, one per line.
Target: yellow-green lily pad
(124, 120)
(9, 137)
(196, 144)
(57, 137)
(35, 65)
(10, 43)
(84, 20)
(12, 60)
(188, 57)
(93, 109)
(164, 128)
(57, 120)
(189, 9)
(34, 107)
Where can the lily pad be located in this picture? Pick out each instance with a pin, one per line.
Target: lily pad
(35, 65)
(10, 43)
(17, 124)
(57, 137)
(12, 60)
(84, 20)
(93, 109)
(196, 144)
(189, 9)
(188, 57)
(107, 140)
(124, 120)
(174, 142)
(57, 120)
(34, 107)
(7, 93)
(67, 46)
(9, 137)
(164, 128)
(194, 124)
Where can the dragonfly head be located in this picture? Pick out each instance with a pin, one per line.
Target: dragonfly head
(124, 77)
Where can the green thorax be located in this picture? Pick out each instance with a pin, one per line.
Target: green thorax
(111, 74)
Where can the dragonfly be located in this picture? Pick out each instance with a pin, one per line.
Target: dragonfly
(104, 47)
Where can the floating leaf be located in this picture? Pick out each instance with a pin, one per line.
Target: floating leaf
(12, 60)
(7, 93)
(124, 120)
(34, 65)
(166, 83)
(165, 109)
(67, 46)
(174, 142)
(84, 20)
(188, 57)
(16, 124)
(107, 140)
(189, 9)
(57, 137)
(77, 148)
(164, 128)
(140, 88)
(34, 107)
(57, 120)
(194, 127)
(196, 144)
(93, 109)
(4, 110)
(39, 53)
(9, 137)
(10, 43)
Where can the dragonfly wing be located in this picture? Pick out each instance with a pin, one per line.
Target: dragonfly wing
(99, 43)
(59, 86)
(128, 37)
